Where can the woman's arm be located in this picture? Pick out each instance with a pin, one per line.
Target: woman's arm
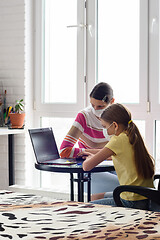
(87, 151)
(67, 147)
(93, 160)
(93, 151)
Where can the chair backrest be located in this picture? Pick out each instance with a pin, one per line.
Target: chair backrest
(150, 193)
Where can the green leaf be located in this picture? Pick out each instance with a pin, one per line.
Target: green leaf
(19, 106)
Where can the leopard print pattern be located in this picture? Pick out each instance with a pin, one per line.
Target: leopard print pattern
(73, 220)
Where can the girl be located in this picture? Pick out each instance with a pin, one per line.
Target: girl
(88, 132)
(132, 162)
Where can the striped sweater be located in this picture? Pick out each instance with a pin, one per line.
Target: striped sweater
(86, 132)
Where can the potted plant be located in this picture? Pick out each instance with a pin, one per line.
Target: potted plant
(17, 117)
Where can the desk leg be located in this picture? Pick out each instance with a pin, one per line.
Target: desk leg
(89, 187)
(11, 158)
(80, 187)
(72, 187)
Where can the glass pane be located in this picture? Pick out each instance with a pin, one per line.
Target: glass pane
(157, 147)
(118, 47)
(60, 51)
(58, 182)
(60, 127)
(141, 126)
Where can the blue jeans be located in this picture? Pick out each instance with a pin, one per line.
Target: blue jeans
(102, 182)
(140, 204)
(154, 207)
(108, 200)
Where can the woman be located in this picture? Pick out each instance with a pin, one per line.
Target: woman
(88, 132)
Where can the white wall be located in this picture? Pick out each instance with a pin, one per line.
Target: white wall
(12, 74)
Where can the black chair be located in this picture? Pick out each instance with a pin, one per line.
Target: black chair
(151, 193)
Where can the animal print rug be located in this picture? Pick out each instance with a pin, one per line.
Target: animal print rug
(24, 216)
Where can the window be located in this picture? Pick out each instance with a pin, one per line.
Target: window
(157, 146)
(118, 47)
(60, 54)
(80, 43)
(60, 68)
(60, 48)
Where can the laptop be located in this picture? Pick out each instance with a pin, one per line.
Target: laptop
(45, 148)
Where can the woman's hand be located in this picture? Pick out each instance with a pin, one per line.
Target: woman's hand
(90, 155)
(82, 155)
(87, 151)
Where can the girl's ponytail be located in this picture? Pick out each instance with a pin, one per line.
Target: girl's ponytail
(143, 160)
(131, 133)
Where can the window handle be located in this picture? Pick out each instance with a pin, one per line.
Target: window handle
(154, 25)
(77, 26)
(89, 27)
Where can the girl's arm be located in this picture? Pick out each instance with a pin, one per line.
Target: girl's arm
(93, 160)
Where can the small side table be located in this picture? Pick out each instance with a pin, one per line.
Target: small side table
(82, 176)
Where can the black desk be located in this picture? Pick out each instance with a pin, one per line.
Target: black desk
(81, 178)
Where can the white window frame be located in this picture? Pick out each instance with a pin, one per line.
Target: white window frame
(147, 70)
(58, 109)
(148, 109)
(91, 51)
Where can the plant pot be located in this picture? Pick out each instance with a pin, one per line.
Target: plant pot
(17, 119)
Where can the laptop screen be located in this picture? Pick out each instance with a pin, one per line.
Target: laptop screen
(44, 144)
